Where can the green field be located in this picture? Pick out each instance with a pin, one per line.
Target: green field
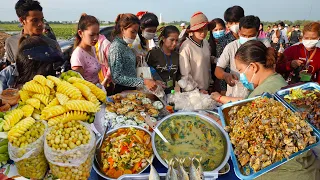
(62, 31)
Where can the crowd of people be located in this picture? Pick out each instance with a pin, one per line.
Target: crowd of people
(239, 60)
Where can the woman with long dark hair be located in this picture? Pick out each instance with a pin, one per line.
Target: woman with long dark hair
(122, 60)
(84, 59)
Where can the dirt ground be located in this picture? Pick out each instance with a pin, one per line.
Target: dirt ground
(3, 37)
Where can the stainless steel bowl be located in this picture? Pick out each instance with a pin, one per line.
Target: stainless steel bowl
(205, 118)
(95, 164)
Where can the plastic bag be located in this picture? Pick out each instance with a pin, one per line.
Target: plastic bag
(239, 91)
(193, 100)
(30, 160)
(99, 119)
(143, 70)
(72, 164)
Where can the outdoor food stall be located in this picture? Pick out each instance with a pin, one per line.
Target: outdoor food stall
(68, 128)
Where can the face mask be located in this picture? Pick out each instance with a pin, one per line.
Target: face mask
(309, 43)
(244, 80)
(218, 34)
(128, 40)
(235, 28)
(296, 29)
(279, 28)
(148, 35)
(243, 40)
(275, 29)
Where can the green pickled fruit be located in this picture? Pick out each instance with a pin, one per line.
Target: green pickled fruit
(1, 114)
(91, 120)
(4, 142)
(4, 157)
(4, 149)
(34, 167)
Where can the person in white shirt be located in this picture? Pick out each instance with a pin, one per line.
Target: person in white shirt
(183, 30)
(249, 28)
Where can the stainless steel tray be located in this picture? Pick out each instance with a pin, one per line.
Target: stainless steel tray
(223, 112)
(207, 176)
(307, 86)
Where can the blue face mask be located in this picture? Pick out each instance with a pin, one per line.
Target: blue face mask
(244, 80)
(243, 40)
(218, 34)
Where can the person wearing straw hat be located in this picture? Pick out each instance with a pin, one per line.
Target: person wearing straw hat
(194, 57)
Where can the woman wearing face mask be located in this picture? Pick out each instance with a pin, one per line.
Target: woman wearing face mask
(147, 31)
(217, 33)
(255, 63)
(122, 60)
(83, 58)
(165, 60)
(301, 62)
(195, 53)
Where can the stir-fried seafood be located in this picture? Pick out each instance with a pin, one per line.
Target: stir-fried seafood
(128, 108)
(263, 132)
(308, 103)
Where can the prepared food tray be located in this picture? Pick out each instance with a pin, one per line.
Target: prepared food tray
(124, 109)
(264, 134)
(304, 99)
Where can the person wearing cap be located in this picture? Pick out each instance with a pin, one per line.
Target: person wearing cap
(140, 14)
(183, 30)
(195, 54)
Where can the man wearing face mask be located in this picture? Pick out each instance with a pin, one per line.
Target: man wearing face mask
(249, 28)
(283, 38)
(147, 31)
(301, 63)
(232, 16)
(31, 17)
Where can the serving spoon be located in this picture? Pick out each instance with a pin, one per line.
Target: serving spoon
(153, 126)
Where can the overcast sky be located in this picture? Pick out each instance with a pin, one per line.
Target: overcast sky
(267, 10)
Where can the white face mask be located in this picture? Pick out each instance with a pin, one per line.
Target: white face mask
(297, 29)
(235, 28)
(243, 40)
(128, 40)
(148, 35)
(275, 29)
(309, 43)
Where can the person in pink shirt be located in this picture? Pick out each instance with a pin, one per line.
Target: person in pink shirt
(262, 34)
(83, 58)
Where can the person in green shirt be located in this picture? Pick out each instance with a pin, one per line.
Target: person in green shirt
(255, 63)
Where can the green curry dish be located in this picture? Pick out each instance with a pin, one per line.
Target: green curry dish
(191, 136)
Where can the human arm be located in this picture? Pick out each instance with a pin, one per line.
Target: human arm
(116, 65)
(288, 63)
(223, 62)
(224, 99)
(9, 51)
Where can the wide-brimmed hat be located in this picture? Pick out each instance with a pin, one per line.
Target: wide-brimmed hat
(198, 20)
